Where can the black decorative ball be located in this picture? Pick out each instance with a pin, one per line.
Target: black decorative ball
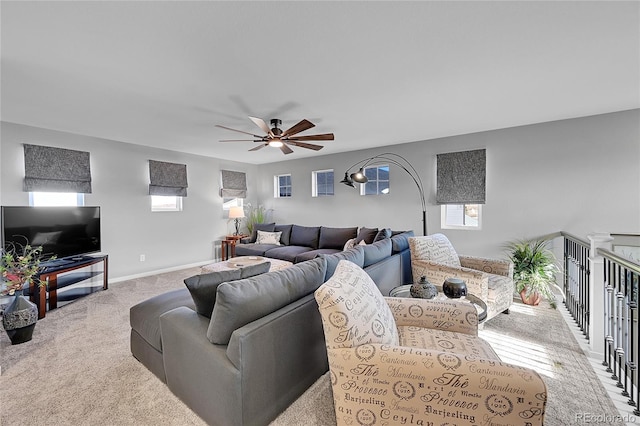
(454, 288)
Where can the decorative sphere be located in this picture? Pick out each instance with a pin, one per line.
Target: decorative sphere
(454, 288)
(423, 289)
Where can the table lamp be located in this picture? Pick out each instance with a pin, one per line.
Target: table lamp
(236, 213)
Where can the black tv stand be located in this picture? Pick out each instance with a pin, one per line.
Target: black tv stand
(50, 272)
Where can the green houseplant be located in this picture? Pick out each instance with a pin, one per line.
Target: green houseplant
(534, 269)
(255, 215)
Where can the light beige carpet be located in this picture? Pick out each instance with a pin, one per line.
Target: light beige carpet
(78, 369)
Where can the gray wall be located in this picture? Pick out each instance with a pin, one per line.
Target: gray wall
(577, 175)
(120, 178)
(580, 175)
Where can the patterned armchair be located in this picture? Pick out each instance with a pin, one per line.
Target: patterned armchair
(491, 280)
(416, 361)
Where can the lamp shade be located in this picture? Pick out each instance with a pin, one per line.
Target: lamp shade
(359, 176)
(236, 212)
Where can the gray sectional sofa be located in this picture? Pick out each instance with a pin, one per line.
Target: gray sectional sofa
(299, 243)
(263, 345)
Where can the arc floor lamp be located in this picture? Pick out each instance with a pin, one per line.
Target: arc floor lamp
(391, 158)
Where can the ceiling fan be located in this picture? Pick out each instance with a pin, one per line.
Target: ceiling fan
(278, 138)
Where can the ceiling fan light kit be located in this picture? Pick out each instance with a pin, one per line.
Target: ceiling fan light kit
(277, 138)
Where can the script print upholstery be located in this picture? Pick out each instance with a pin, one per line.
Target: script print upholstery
(440, 372)
(489, 279)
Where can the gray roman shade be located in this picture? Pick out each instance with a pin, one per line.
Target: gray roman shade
(167, 178)
(462, 177)
(50, 169)
(234, 184)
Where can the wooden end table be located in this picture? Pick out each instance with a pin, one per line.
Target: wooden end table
(229, 245)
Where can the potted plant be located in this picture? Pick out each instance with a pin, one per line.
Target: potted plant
(256, 215)
(19, 265)
(534, 269)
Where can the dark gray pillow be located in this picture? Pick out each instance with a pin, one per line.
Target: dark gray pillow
(241, 302)
(203, 287)
(267, 227)
(382, 234)
(305, 236)
(375, 252)
(335, 238)
(366, 234)
(355, 255)
(285, 238)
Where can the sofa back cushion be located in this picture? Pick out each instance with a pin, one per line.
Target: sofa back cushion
(400, 241)
(335, 238)
(203, 287)
(267, 227)
(375, 252)
(434, 248)
(353, 310)
(285, 238)
(354, 255)
(240, 302)
(305, 236)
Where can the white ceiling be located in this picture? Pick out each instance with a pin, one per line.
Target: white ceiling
(375, 73)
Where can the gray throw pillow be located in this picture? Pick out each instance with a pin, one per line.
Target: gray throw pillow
(203, 287)
(367, 235)
(241, 302)
(382, 234)
(267, 227)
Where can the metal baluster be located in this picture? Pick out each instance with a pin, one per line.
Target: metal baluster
(608, 315)
(619, 324)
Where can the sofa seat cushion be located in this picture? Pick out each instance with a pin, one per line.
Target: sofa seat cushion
(145, 316)
(287, 253)
(253, 249)
(203, 287)
(240, 302)
(335, 238)
(308, 255)
(445, 341)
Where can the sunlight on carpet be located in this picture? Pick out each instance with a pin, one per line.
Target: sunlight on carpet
(524, 353)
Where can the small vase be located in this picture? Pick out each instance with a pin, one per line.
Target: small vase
(19, 319)
(533, 299)
(423, 289)
(454, 288)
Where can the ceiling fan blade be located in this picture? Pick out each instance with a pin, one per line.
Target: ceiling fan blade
(306, 145)
(240, 131)
(259, 147)
(322, 137)
(241, 140)
(300, 127)
(260, 123)
(285, 149)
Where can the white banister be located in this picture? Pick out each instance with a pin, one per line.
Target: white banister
(597, 291)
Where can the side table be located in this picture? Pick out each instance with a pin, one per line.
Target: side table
(481, 307)
(229, 245)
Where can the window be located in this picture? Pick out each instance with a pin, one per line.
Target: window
(227, 203)
(166, 203)
(378, 180)
(322, 183)
(46, 199)
(282, 186)
(461, 216)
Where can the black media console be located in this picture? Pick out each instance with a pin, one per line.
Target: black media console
(61, 273)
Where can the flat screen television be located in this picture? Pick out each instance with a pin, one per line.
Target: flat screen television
(66, 232)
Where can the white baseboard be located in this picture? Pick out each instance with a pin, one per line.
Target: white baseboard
(160, 271)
